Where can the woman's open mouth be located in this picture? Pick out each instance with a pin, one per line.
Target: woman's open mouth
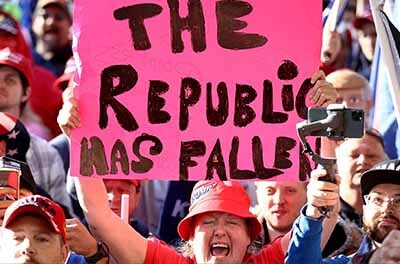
(219, 249)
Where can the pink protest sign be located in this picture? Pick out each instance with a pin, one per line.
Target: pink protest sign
(193, 90)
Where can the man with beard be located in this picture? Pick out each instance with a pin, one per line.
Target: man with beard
(381, 194)
(355, 156)
(380, 189)
(51, 25)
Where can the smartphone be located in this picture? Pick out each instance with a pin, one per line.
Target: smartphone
(9, 177)
(351, 122)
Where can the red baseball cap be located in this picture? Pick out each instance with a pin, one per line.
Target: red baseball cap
(8, 23)
(224, 196)
(17, 61)
(12, 36)
(38, 205)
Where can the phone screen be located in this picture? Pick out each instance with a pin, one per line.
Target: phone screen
(10, 178)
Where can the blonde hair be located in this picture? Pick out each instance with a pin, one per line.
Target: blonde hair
(349, 79)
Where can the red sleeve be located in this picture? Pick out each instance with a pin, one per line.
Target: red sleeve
(271, 254)
(159, 252)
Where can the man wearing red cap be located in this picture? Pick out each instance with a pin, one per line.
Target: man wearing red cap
(15, 80)
(39, 118)
(33, 231)
(44, 161)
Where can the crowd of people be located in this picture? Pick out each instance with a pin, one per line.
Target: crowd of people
(52, 217)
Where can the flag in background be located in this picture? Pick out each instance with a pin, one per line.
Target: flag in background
(385, 75)
(327, 10)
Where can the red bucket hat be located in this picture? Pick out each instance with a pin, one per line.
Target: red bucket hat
(39, 205)
(226, 197)
(17, 61)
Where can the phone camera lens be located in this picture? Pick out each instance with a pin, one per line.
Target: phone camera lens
(357, 115)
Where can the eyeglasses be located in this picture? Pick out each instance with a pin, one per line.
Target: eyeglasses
(379, 200)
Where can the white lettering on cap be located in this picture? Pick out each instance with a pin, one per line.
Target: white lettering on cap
(389, 166)
(201, 192)
(6, 54)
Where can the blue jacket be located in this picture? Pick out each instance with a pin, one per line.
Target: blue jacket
(75, 259)
(305, 244)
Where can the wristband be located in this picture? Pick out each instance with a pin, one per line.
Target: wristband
(102, 252)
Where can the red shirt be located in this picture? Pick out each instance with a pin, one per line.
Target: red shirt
(159, 252)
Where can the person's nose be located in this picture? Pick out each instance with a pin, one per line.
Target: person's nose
(387, 207)
(27, 247)
(278, 197)
(345, 103)
(219, 229)
(362, 159)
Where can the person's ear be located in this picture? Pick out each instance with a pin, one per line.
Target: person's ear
(368, 105)
(26, 95)
(64, 250)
